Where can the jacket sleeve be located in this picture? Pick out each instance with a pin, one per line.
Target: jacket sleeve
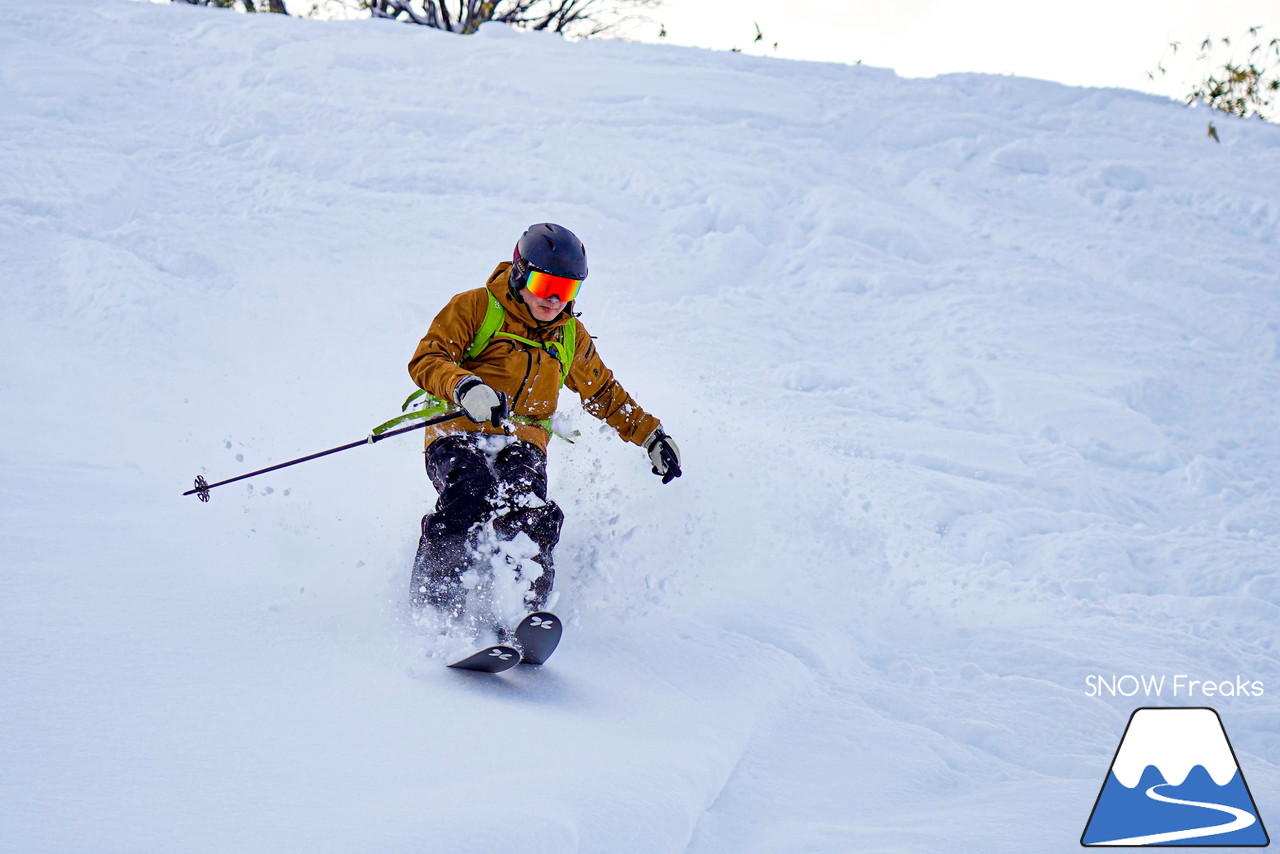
(434, 365)
(602, 395)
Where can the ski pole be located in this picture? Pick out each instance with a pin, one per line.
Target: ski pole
(202, 488)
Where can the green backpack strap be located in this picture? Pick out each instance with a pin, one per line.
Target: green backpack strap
(568, 347)
(431, 407)
(562, 349)
(494, 314)
(428, 405)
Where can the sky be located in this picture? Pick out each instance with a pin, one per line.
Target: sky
(1085, 43)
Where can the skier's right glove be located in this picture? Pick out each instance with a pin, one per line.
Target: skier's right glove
(664, 455)
(480, 402)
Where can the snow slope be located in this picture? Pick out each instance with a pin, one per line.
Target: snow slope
(975, 379)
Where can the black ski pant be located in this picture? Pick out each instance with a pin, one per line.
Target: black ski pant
(476, 486)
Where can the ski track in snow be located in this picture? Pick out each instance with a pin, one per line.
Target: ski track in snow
(975, 379)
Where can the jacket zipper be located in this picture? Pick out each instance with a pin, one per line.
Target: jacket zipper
(527, 370)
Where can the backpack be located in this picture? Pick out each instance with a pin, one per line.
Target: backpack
(428, 405)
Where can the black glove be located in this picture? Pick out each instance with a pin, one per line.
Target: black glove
(480, 402)
(664, 454)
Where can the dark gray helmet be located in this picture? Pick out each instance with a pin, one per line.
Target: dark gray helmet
(550, 248)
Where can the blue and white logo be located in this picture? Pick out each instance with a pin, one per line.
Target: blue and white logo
(1175, 781)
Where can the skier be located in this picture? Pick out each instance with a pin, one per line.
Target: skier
(500, 354)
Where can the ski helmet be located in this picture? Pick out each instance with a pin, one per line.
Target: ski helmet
(550, 248)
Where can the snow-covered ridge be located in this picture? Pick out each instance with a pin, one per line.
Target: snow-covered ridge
(977, 382)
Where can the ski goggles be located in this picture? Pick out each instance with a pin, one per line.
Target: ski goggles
(545, 286)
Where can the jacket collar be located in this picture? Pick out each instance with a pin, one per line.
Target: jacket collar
(497, 286)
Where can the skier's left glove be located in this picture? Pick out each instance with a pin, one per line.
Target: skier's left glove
(664, 454)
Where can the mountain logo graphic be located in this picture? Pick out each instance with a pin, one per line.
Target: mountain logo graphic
(1175, 781)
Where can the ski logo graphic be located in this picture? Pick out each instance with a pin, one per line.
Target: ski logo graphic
(499, 654)
(539, 623)
(1175, 781)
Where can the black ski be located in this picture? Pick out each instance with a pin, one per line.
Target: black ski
(491, 659)
(538, 635)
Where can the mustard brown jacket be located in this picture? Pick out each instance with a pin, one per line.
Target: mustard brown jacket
(530, 376)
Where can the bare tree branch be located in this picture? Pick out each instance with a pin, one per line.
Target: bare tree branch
(572, 18)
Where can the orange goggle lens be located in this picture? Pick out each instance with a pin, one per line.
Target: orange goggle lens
(545, 286)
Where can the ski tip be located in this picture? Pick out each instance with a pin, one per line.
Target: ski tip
(491, 659)
(540, 619)
(538, 635)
